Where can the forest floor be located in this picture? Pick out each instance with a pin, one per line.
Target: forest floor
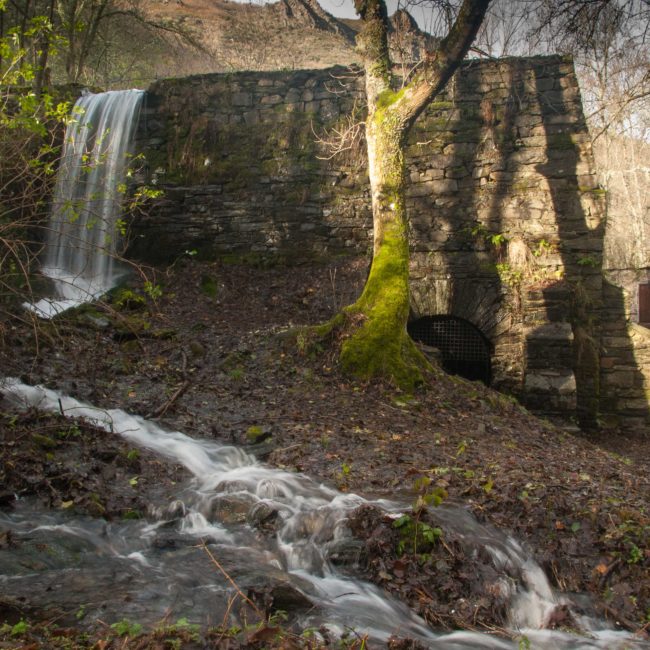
(209, 357)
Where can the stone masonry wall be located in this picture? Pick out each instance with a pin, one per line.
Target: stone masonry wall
(239, 161)
(505, 212)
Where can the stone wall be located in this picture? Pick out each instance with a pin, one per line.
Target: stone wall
(239, 160)
(505, 211)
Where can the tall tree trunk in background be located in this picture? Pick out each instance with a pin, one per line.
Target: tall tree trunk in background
(378, 344)
(43, 49)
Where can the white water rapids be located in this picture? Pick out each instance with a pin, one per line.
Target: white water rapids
(154, 575)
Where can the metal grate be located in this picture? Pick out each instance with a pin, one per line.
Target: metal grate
(465, 350)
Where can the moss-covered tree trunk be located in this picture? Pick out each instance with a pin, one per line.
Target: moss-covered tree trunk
(378, 344)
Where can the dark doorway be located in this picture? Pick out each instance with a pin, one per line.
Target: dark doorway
(465, 350)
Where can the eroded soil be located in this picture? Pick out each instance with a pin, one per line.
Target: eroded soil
(211, 357)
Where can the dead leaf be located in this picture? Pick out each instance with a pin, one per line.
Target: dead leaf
(264, 634)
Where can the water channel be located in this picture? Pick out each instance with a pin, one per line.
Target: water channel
(164, 566)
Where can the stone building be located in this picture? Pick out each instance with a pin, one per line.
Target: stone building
(506, 214)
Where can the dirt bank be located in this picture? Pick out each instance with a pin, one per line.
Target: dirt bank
(207, 357)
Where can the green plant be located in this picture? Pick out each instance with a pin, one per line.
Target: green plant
(509, 276)
(126, 628)
(416, 536)
(543, 247)
(498, 239)
(479, 231)
(128, 299)
(488, 486)
(236, 374)
(73, 431)
(19, 628)
(209, 286)
(635, 555)
(588, 260)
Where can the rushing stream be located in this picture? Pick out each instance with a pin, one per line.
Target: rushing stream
(165, 565)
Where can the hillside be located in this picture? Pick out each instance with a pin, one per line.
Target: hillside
(291, 34)
(203, 36)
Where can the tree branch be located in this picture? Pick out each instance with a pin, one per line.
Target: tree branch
(439, 68)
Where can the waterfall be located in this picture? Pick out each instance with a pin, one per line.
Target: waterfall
(84, 232)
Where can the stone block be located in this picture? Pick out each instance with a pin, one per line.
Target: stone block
(551, 332)
(242, 99)
(561, 384)
(271, 100)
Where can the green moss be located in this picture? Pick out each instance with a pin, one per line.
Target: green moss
(254, 433)
(441, 105)
(44, 441)
(389, 97)
(209, 286)
(380, 345)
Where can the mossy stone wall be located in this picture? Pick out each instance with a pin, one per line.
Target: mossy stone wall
(505, 213)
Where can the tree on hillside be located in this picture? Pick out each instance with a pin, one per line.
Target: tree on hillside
(376, 343)
(71, 40)
(609, 42)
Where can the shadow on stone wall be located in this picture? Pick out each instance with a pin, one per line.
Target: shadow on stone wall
(467, 270)
(606, 374)
(491, 163)
(237, 157)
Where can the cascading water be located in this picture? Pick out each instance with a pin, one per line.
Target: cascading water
(83, 231)
(158, 575)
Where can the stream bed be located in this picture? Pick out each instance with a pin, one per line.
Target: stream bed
(200, 551)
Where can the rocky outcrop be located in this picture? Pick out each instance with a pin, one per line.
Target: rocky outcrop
(309, 14)
(407, 42)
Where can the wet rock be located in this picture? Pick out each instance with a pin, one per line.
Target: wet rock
(227, 510)
(265, 516)
(7, 499)
(288, 598)
(347, 552)
(263, 450)
(165, 542)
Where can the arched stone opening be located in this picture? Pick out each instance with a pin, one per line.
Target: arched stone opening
(464, 349)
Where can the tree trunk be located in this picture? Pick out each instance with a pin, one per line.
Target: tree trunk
(378, 344)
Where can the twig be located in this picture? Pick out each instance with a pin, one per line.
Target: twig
(299, 444)
(231, 602)
(230, 580)
(163, 409)
(608, 572)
